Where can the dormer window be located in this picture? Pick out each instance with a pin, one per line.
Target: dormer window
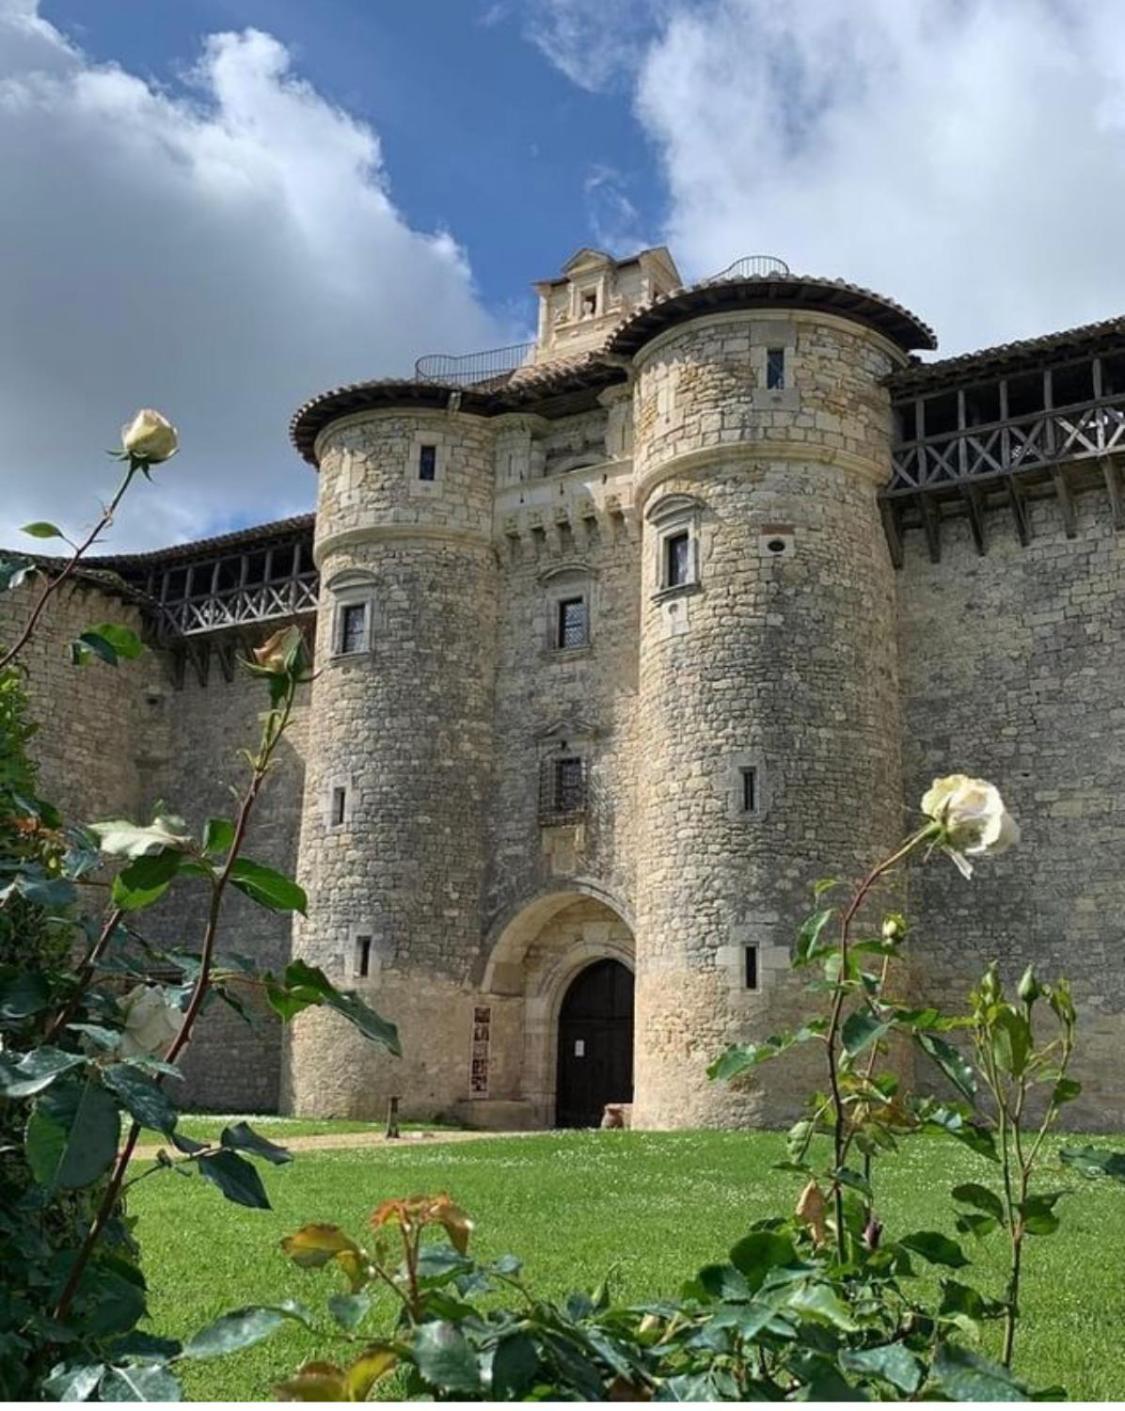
(588, 303)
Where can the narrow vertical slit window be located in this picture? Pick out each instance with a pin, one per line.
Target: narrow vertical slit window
(775, 369)
(339, 805)
(362, 957)
(749, 786)
(353, 628)
(571, 631)
(677, 559)
(750, 967)
(427, 462)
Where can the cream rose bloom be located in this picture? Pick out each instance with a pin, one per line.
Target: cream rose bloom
(150, 437)
(973, 818)
(151, 1023)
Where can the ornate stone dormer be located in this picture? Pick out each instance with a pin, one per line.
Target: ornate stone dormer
(595, 292)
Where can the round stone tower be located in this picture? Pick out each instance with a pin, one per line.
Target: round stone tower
(769, 704)
(399, 752)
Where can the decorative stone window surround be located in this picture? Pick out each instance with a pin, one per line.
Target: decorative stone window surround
(567, 581)
(672, 515)
(352, 588)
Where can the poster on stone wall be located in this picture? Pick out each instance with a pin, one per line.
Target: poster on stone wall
(482, 1038)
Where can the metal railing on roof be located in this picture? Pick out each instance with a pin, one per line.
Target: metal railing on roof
(749, 267)
(472, 368)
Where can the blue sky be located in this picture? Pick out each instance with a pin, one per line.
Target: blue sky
(222, 207)
(481, 133)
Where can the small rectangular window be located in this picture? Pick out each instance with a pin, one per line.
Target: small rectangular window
(569, 786)
(677, 559)
(749, 781)
(427, 462)
(572, 623)
(750, 967)
(775, 369)
(339, 805)
(353, 628)
(589, 303)
(362, 956)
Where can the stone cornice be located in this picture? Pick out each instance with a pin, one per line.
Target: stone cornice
(420, 535)
(898, 358)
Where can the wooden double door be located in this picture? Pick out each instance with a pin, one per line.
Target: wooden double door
(595, 1061)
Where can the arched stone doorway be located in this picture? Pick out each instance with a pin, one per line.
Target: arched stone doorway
(540, 950)
(595, 1044)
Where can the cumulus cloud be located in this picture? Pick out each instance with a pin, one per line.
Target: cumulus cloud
(221, 251)
(966, 157)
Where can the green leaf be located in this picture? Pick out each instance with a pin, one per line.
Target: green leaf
(72, 1135)
(151, 1383)
(937, 1248)
(514, 1366)
(955, 1067)
(892, 1362)
(22, 993)
(145, 880)
(820, 1303)
(809, 934)
(70, 1381)
(1092, 1161)
(959, 1303)
(123, 640)
(981, 1198)
(236, 1178)
(444, 1358)
(120, 838)
(725, 1282)
(759, 1252)
(861, 1029)
(369, 1367)
(349, 1309)
(218, 835)
(978, 1139)
(979, 1226)
(141, 1097)
(244, 1327)
(35, 1070)
(13, 573)
(967, 1376)
(1011, 1041)
(241, 1137)
(267, 887)
(91, 644)
(857, 1182)
(739, 1057)
(1038, 1213)
(315, 1381)
(42, 529)
(305, 985)
(1066, 1090)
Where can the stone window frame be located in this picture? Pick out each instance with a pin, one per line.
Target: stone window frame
(671, 516)
(766, 337)
(378, 953)
(426, 436)
(346, 782)
(352, 588)
(562, 584)
(773, 960)
(733, 779)
(564, 740)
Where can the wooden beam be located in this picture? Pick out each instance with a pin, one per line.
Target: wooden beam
(1018, 506)
(1066, 501)
(1113, 488)
(931, 522)
(892, 528)
(970, 494)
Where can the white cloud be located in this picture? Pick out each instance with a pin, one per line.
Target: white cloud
(594, 42)
(611, 213)
(966, 157)
(221, 252)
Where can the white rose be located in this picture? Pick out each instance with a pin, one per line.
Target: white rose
(973, 818)
(151, 1023)
(150, 437)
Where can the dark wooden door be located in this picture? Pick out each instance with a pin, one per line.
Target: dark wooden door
(595, 1044)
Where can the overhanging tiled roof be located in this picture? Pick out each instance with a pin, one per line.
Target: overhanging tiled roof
(772, 291)
(1088, 338)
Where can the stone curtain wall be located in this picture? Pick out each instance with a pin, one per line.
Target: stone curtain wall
(1013, 668)
(785, 661)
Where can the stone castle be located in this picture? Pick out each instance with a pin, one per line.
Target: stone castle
(624, 638)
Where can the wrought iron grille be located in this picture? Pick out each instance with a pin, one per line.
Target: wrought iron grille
(472, 368)
(572, 622)
(562, 789)
(751, 267)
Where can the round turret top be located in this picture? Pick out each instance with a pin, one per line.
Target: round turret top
(771, 290)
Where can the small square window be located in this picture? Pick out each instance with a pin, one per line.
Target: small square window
(677, 559)
(572, 623)
(362, 957)
(353, 628)
(339, 805)
(748, 797)
(427, 462)
(569, 786)
(750, 967)
(775, 369)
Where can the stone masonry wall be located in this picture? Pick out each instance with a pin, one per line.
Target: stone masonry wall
(1012, 670)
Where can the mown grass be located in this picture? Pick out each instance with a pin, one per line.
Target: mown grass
(207, 1126)
(572, 1205)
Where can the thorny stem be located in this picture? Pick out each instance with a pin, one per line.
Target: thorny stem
(86, 972)
(54, 584)
(274, 727)
(839, 1122)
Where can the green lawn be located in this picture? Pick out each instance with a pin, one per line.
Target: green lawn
(204, 1127)
(572, 1204)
